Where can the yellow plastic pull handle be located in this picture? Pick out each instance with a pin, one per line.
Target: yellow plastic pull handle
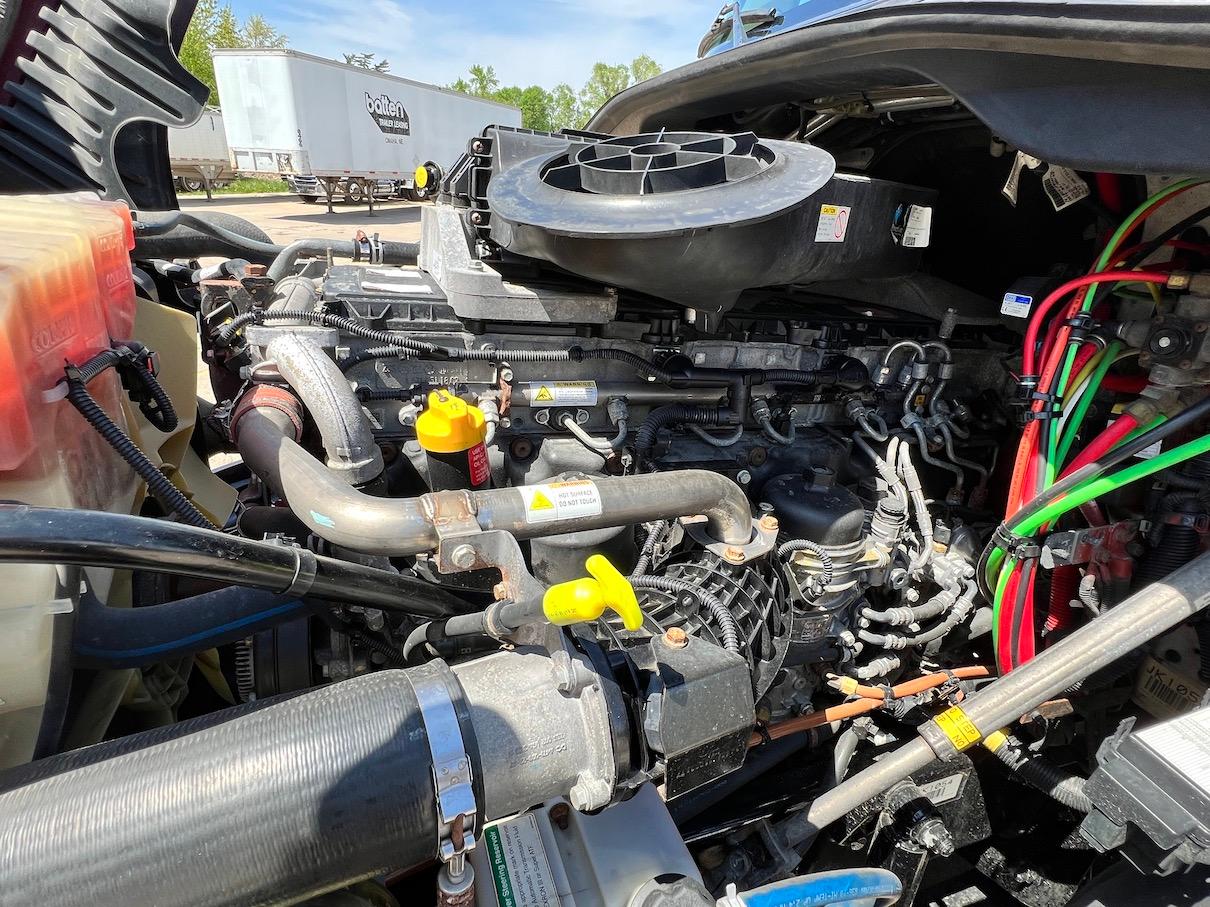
(586, 599)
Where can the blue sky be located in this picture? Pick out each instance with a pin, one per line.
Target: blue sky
(533, 41)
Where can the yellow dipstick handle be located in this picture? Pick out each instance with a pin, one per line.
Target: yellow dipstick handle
(586, 599)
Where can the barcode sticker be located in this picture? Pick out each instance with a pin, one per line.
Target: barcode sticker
(919, 227)
(1064, 187)
(1164, 692)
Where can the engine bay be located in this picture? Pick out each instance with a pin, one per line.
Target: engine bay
(688, 518)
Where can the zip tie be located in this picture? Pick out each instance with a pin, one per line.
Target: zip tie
(1018, 547)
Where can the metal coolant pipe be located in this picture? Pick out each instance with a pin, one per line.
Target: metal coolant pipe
(348, 440)
(1143, 616)
(400, 526)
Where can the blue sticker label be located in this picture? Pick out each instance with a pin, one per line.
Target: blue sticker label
(1016, 305)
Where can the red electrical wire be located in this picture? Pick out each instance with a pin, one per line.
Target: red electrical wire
(1124, 384)
(1102, 443)
(1043, 309)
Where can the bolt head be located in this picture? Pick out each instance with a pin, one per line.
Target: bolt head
(463, 557)
(733, 555)
(676, 638)
(560, 815)
(769, 523)
(500, 592)
(743, 477)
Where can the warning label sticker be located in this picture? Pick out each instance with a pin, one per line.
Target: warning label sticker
(833, 223)
(563, 393)
(560, 501)
(520, 870)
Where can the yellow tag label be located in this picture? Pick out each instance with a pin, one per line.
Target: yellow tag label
(540, 502)
(828, 210)
(960, 730)
(544, 395)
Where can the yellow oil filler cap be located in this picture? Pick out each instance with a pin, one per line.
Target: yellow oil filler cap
(421, 177)
(586, 599)
(452, 433)
(449, 424)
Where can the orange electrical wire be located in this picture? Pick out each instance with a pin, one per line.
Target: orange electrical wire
(872, 698)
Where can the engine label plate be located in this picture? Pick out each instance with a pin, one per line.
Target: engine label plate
(560, 501)
(563, 393)
(520, 870)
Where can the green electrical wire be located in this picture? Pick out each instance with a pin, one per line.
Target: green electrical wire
(1077, 415)
(1095, 488)
(1083, 493)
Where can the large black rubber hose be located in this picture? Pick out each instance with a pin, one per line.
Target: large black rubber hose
(276, 805)
(166, 235)
(132, 637)
(91, 538)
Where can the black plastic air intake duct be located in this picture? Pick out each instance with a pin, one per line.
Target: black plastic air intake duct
(697, 217)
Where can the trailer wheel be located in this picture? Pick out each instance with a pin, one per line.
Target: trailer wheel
(420, 195)
(354, 191)
(192, 185)
(309, 199)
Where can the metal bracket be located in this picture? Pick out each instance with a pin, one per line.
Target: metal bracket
(493, 548)
(762, 541)
(452, 780)
(1083, 546)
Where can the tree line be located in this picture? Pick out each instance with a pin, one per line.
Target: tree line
(562, 107)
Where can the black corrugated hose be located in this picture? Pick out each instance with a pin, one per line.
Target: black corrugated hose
(1039, 772)
(727, 626)
(671, 413)
(825, 560)
(158, 484)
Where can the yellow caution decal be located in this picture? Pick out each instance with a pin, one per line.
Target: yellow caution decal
(960, 730)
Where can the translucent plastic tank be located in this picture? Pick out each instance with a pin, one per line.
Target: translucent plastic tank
(65, 291)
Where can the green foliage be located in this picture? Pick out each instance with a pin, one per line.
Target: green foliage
(246, 186)
(562, 107)
(603, 83)
(215, 26)
(643, 68)
(259, 33)
(565, 112)
(366, 61)
(483, 81)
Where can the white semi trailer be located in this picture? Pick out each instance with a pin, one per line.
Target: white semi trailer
(333, 130)
(198, 154)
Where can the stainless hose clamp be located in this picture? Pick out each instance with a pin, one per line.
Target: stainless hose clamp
(451, 765)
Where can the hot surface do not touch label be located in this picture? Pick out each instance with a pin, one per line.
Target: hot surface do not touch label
(560, 501)
(520, 871)
(563, 393)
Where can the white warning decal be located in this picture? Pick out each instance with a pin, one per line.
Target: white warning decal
(560, 501)
(833, 223)
(563, 393)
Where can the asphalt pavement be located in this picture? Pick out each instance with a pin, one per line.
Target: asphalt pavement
(287, 217)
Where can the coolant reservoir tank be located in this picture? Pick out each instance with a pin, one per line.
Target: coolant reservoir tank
(65, 290)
